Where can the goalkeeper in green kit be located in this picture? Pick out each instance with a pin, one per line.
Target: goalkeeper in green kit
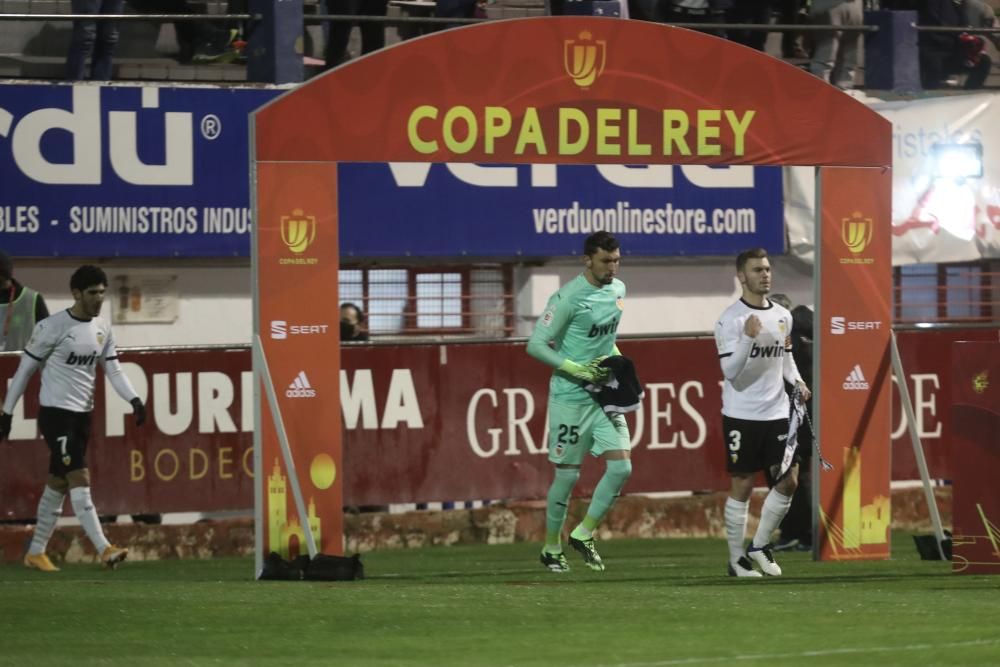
(576, 331)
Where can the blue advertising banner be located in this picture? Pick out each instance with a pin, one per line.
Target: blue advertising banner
(125, 171)
(144, 171)
(469, 210)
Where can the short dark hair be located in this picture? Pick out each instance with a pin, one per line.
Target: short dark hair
(86, 276)
(357, 309)
(600, 241)
(746, 255)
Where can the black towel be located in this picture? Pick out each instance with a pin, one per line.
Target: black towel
(622, 392)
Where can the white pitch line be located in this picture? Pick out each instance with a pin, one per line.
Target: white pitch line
(806, 654)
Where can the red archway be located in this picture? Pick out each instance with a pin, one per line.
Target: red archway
(587, 91)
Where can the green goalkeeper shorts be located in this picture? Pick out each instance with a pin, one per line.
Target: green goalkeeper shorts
(578, 428)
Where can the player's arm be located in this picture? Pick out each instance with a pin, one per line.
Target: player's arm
(734, 344)
(550, 326)
(120, 381)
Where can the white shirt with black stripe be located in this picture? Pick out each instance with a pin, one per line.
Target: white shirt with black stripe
(758, 392)
(70, 349)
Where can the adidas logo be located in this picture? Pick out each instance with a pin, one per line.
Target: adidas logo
(855, 380)
(300, 387)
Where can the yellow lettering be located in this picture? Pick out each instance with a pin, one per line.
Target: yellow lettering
(225, 460)
(138, 472)
(740, 127)
(248, 456)
(706, 131)
(608, 128)
(531, 133)
(675, 126)
(156, 464)
(634, 147)
(497, 124)
(569, 115)
(418, 114)
(197, 454)
(453, 115)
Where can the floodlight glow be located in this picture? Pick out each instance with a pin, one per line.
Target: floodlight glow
(957, 161)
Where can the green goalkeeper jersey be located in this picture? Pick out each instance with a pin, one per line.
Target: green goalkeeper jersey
(581, 322)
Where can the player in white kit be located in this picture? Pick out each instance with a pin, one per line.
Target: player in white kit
(753, 338)
(68, 346)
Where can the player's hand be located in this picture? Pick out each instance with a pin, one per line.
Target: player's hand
(591, 372)
(600, 373)
(139, 410)
(804, 392)
(5, 425)
(752, 326)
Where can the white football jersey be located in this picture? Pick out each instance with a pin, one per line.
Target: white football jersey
(758, 392)
(70, 350)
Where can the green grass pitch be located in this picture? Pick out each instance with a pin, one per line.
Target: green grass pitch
(660, 603)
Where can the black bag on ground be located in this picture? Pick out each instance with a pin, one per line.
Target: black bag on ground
(320, 568)
(335, 568)
(277, 568)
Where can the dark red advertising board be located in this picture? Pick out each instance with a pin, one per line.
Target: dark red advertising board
(421, 423)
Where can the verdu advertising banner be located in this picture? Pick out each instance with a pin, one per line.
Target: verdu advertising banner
(129, 171)
(539, 210)
(125, 171)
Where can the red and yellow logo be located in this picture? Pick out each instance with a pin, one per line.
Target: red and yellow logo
(856, 233)
(298, 231)
(584, 59)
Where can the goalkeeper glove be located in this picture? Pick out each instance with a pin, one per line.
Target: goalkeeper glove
(592, 372)
(139, 410)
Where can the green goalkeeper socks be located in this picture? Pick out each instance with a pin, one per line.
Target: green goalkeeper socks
(557, 505)
(608, 489)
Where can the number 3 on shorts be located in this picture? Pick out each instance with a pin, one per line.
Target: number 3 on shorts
(734, 444)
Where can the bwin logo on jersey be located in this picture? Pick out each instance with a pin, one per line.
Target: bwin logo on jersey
(603, 329)
(775, 350)
(83, 123)
(81, 360)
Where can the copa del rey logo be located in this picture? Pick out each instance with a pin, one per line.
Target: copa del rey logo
(584, 58)
(298, 231)
(856, 233)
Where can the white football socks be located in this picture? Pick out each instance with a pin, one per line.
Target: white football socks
(736, 526)
(83, 505)
(50, 508)
(774, 510)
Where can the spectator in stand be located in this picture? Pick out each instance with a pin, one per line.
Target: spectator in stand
(352, 323)
(92, 40)
(836, 52)
(944, 54)
(793, 44)
(699, 11)
(372, 33)
(978, 14)
(21, 308)
(751, 11)
(200, 42)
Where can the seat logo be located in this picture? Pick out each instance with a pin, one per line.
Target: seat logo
(298, 231)
(584, 59)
